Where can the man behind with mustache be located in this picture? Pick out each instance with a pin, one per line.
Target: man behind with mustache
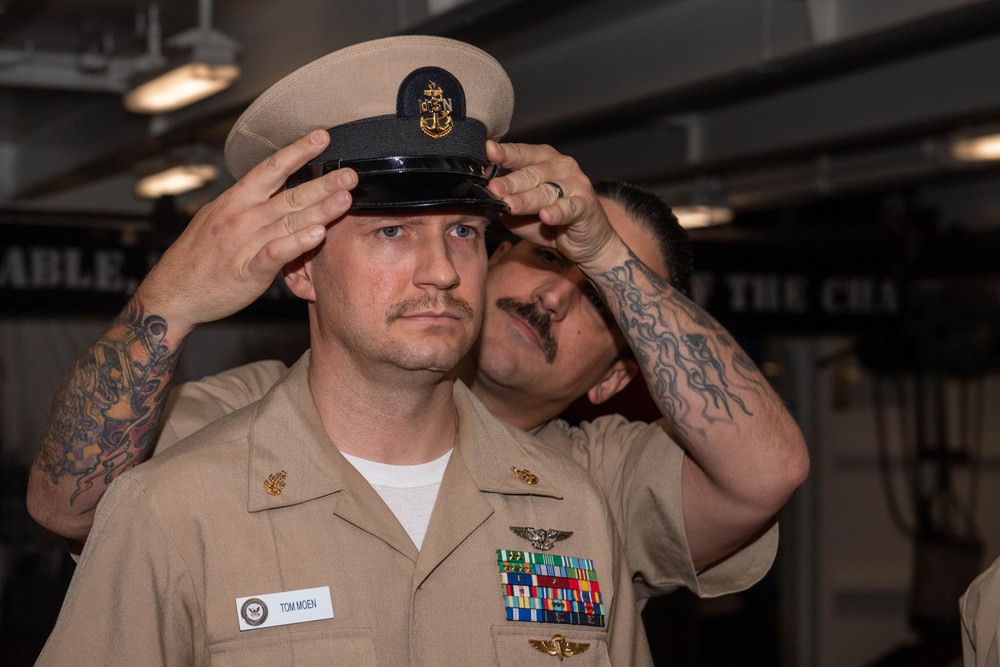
(534, 318)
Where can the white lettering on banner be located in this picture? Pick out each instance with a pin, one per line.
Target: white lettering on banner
(48, 267)
(796, 294)
(854, 295)
(13, 269)
(45, 268)
(768, 293)
(702, 287)
(75, 277)
(107, 271)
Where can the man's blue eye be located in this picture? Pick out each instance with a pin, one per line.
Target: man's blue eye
(464, 231)
(389, 232)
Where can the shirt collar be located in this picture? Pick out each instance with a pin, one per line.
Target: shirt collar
(287, 438)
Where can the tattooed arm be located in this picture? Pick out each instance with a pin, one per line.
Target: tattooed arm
(745, 453)
(105, 412)
(103, 419)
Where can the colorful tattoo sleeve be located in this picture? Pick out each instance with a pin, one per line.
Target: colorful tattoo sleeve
(105, 412)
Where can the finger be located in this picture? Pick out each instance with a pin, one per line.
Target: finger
(494, 151)
(270, 175)
(515, 156)
(322, 212)
(560, 169)
(533, 200)
(561, 213)
(280, 251)
(526, 163)
(313, 192)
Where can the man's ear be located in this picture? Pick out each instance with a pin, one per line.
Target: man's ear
(616, 379)
(298, 277)
(499, 252)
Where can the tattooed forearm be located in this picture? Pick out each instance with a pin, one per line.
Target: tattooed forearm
(106, 409)
(697, 373)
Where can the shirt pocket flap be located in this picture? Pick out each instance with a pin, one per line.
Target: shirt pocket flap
(351, 646)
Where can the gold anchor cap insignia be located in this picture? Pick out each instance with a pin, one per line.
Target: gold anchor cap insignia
(525, 475)
(558, 646)
(542, 539)
(275, 482)
(435, 112)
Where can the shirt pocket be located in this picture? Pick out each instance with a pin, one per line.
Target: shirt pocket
(514, 648)
(346, 646)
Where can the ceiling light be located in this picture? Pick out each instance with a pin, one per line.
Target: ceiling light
(977, 149)
(176, 180)
(204, 64)
(698, 203)
(691, 217)
(180, 87)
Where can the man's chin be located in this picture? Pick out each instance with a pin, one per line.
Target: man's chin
(440, 360)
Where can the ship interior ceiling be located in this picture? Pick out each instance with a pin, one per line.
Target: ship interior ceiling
(853, 237)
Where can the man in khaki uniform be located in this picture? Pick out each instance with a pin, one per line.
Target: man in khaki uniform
(637, 465)
(280, 533)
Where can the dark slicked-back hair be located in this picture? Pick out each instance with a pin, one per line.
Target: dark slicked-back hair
(653, 213)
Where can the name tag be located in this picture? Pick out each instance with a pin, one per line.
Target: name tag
(265, 611)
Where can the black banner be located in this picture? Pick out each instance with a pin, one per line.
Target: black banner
(49, 269)
(758, 302)
(753, 282)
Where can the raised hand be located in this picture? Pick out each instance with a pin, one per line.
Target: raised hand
(553, 201)
(234, 247)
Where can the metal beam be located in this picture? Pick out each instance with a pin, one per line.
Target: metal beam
(933, 90)
(681, 57)
(63, 71)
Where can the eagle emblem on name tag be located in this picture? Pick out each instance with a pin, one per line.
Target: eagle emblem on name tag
(254, 611)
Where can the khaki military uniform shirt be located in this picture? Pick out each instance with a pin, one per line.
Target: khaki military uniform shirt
(177, 541)
(980, 608)
(637, 465)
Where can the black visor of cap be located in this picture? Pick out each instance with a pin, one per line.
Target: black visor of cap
(428, 155)
(396, 183)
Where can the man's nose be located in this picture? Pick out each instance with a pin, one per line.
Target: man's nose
(556, 295)
(435, 267)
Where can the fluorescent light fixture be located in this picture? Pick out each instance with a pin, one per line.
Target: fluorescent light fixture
(977, 149)
(176, 180)
(180, 87)
(204, 63)
(692, 217)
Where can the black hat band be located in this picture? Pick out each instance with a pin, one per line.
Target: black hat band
(383, 136)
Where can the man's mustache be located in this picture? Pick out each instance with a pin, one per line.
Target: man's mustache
(538, 321)
(445, 302)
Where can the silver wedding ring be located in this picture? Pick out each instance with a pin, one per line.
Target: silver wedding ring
(559, 191)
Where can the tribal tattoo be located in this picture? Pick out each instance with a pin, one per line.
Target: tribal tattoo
(697, 372)
(105, 411)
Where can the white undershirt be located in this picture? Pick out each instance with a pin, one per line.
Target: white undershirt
(409, 491)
